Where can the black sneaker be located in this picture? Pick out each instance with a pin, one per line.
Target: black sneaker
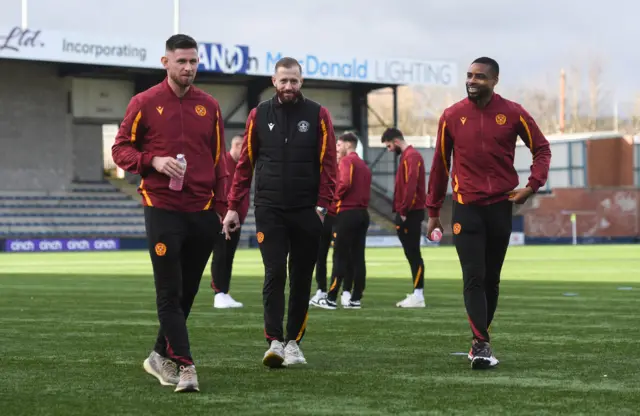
(482, 356)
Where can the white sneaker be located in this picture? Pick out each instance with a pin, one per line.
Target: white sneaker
(293, 355)
(411, 301)
(316, 298)
(234, 303)
(345, 298)
(225, 301)
(274, 357)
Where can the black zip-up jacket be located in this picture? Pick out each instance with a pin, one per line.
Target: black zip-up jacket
(292, 148)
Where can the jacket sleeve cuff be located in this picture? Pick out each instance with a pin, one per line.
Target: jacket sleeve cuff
(145, 160)
(232, 206)
(220, 208)
(434, 212)
(533, 184)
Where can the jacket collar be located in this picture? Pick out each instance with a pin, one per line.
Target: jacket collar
(166, 85)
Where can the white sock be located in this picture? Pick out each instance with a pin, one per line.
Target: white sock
(345, 293)
(418, 293)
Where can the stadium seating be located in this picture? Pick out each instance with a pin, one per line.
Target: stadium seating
(95, 210)
(87, 210)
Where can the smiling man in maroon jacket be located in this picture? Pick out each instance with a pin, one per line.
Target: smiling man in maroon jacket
(171, 118)
(481, 131)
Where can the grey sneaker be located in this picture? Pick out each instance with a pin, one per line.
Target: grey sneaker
(274, 356)
(293, 355)
(188, 379)
(161, 368)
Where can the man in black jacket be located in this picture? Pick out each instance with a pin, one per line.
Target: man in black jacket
(290, 144)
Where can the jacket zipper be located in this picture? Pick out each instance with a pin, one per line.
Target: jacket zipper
(285, 152)
(484, 152)
(182, 149)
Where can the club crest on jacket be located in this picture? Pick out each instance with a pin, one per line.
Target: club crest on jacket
(303, 126)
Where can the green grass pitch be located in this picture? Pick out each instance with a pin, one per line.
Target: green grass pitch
(75, 328)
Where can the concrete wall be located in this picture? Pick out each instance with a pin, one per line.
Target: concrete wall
(35, 130)
(88, 161)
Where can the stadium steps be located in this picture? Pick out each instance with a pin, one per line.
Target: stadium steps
(84, 210)
(111, 209)
(63, 211)
(126, 188)
(61, 221)
(67, 204)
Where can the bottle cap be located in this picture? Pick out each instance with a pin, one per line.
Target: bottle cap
(180, 156)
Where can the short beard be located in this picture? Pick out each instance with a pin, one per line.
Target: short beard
(179, 83)
(479, 96)
(283, 100)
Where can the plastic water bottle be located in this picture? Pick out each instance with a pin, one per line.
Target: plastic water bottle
(436, 235)
(175, 184)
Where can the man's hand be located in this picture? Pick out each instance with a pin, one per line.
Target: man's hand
(168, 166)
(432, 224)
(520, 196)
(231, 223)
(320, 216)
(403, 218)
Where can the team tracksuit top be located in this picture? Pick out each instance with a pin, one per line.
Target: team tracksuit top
(483, 143)
(159, 123)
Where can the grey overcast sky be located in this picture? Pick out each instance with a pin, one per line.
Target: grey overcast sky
(531, 40)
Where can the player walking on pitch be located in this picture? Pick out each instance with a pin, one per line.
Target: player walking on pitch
(326, 239)
(409, 204)
(481, 132)
(183, 206)
(290, 144)
(352, 222)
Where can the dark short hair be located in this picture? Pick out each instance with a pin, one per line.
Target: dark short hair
(180, 41)
(490, 62)
(288, 62)
(349, 136)
(390, 134)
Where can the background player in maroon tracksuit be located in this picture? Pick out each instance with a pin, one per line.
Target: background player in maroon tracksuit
(481, 132)
(224, 250)
(171, 118)
(409, 204)
(352, 196)
(326, 239)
